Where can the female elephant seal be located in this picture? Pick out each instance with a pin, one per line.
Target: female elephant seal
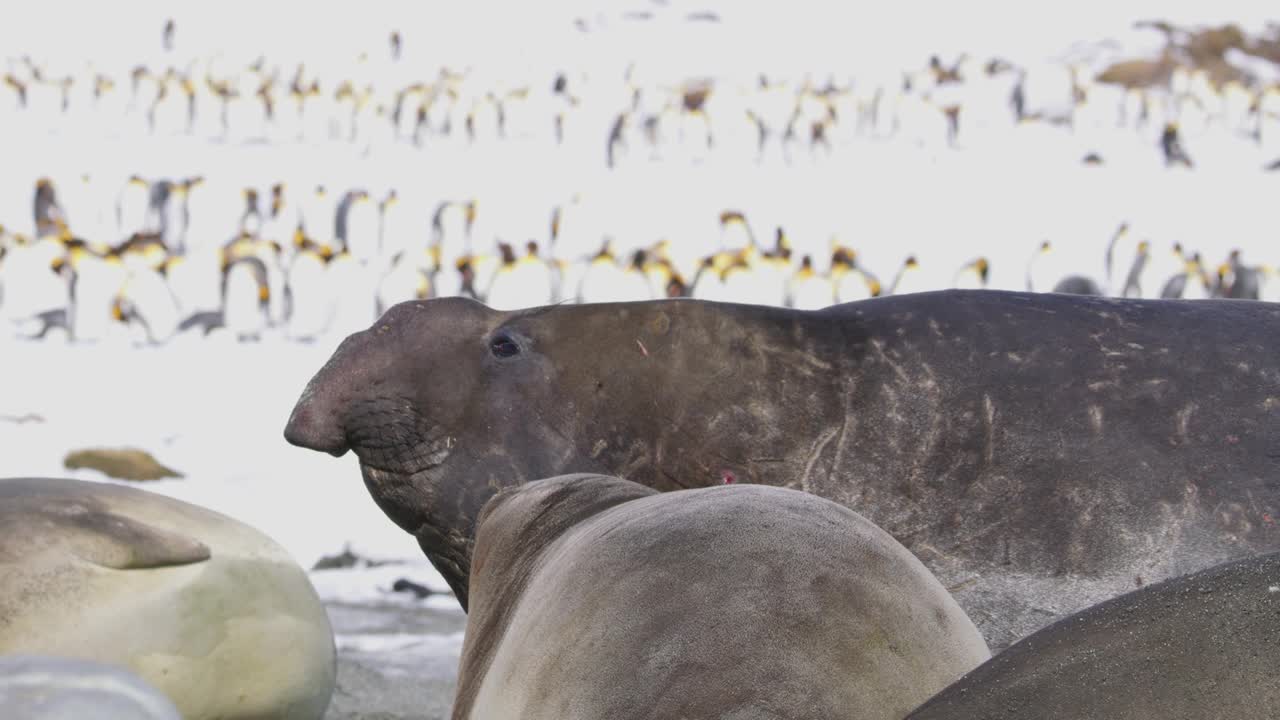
(1040, 453)
(595, 597)
(1199, 646)
(211, 612)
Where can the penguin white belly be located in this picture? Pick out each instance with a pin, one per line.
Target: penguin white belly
(149, 294)
(175, 222)
(356, 288)
(485, 269)
(770, 286)
(814, 293)
(97, 284)
(601, 283)
(708, 286)
(853, 287)
(1156, 274)
(916, 281)
(196, 282)
(213, 214)
(633, 286)
(968, 280)
(318, 216)
(447, 282)
(1195, 290)
(508, 291)
(1269, 290)
(745, 287)
(398, 232)
(312, 298)
(279, 228)
(242, 313)
(134, 212)
(403, 283)
(277, 299)
(362, 231)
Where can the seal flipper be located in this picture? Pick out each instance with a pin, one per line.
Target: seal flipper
(119, 542)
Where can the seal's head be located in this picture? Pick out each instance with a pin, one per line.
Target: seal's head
(447, 401)
(442, 402)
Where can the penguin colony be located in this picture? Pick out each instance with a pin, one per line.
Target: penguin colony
(157, 257)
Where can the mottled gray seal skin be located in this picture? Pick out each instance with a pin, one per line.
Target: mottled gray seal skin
(1199, 646)
(1040, 453)
(595, 597)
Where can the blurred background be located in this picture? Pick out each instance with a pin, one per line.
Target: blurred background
(199, 200)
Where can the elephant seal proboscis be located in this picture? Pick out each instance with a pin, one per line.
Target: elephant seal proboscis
(596, 597)
(1040, 453)
(1199, 646)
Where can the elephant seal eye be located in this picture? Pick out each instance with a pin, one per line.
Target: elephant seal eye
(503, 347)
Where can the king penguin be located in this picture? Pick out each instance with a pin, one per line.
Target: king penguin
(809, 289)
(133, 209)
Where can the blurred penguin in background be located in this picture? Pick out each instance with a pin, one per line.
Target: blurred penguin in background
(358, 226)
(48, 214)
(133, 208)
(809, 289)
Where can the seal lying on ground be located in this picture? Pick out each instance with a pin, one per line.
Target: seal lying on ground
(1040, 453)
(208, 610)
(595, 597)
(1199, 646)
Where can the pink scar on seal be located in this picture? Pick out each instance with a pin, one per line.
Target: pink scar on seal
(727, 476)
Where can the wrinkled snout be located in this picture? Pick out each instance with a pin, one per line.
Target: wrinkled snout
(317, 421)
(315, 429)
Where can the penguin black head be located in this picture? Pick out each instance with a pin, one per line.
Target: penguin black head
(806, 263)
(508, 255)
(676, 287)
(531, 248)
(638, 259)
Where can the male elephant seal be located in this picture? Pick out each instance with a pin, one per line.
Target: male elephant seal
(1040, 453)
(1199, 646)
(595, 597)
(211, 612)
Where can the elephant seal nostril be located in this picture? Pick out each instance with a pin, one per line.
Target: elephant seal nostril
(304, 430)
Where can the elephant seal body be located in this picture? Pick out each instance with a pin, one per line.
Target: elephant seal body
(1199, 646)
(1040, 453)
(595, 597)
(209, 611)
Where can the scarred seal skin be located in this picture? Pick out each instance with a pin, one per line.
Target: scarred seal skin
(1039, 452)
